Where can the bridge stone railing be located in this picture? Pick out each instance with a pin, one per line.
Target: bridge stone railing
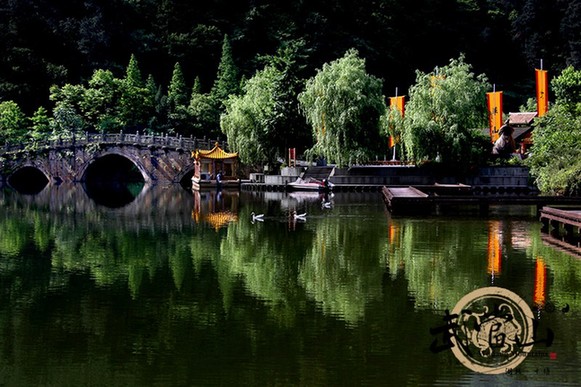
(173, 142)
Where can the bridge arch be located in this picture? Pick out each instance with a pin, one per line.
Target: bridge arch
(185, 175)
(28, 179)
(107, 158)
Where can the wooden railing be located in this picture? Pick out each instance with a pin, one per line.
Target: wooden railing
(144, 140)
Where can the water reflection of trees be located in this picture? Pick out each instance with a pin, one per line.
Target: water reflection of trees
(441, 260)
(342, 269)
(244, 289)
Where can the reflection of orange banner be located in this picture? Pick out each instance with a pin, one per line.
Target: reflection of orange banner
(494, 103)
(494, 249)
(542, 92)
(391, 231)
(540, 282)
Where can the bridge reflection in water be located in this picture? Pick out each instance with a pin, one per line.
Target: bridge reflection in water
(150, 206)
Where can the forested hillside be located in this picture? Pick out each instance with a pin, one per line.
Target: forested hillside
(46, 42)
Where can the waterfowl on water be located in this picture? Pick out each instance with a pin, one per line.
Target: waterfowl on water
(299, 216)
(255, 218)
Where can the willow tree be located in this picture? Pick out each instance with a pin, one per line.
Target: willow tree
(445, 114)
(249, 120)
(343, 105)
(264, 120)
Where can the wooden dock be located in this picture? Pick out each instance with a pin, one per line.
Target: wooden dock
(413, 200)
(568, 219)
(561, 227)
(573, 249)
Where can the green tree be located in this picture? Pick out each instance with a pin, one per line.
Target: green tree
(177, 100)
(136, 102)
(446, 108)
(567, 89)
(67, 121)
(13, 123)
(555, 159)
(227, 81)
(94, 108)
(249, 119)
(203, 111)
(100, 106)
(343, 104)
(40, 125)
(265, 119)
(291, 124)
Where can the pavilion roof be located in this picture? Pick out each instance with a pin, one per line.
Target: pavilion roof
(215, 153)
(521, 118)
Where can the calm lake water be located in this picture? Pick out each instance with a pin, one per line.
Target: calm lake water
(177, 289)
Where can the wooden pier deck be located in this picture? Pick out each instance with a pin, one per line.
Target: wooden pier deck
(567, 218)
(561, 228)
(401, 201)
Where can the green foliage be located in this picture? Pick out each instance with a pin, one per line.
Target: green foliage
(177, 91)
(67, 121)
(205, 115)
(177, 100)
(41, 124)
(529, 106)
(227, 81)
(101, 102)
(249, 118)
(567, 89)
(137, 99)
(265, 120)
(13, 122)
(445, 110)
(555, 159)
(343, 104)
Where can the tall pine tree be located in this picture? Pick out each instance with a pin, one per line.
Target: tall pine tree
(227, 81)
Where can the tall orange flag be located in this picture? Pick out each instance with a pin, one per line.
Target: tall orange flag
(399, 103)
(494, 103)
(542, 92)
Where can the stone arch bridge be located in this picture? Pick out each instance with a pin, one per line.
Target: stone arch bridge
(158, 159)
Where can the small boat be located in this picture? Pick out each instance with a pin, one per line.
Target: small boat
(310, 184)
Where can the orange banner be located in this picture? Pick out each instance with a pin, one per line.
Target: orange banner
(399, 103)
(494, 103)
(542, 92)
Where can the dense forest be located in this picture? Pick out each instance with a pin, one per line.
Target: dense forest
(55, 42)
